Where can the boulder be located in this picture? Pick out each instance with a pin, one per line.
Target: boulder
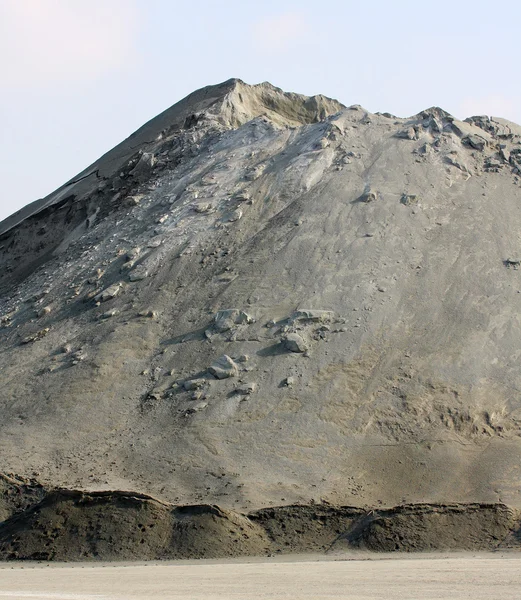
(225, 320)
(108, 293)
(224, 367)
(295, 343)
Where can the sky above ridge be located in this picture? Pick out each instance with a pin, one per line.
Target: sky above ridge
(78, 76)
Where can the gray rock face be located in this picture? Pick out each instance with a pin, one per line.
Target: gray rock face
(408, 303)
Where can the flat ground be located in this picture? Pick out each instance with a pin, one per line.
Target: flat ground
(436, 577)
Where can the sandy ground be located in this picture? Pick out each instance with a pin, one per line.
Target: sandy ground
(454, 577)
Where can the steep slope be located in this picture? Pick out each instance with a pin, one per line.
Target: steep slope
(263, 299)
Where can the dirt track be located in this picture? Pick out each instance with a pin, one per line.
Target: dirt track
(455, 578)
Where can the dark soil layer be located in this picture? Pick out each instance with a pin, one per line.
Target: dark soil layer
(429, 527)
(18, 494)
(71, 525)
(306, 528)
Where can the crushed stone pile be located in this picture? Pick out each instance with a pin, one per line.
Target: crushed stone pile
(262, 299)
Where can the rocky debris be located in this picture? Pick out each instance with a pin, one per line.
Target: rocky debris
(492, 165)
(495, 127)
(39, 335)
(512, 263)
(194, 384)
(246, 389)
(109, 293)
(196, 407)
(457, 162)
(227, 319)
(295, 343)
(243, 196)
(224, 367)
(78, 357)
(411, 133)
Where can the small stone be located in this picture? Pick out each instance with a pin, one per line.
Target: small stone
(155, 242)
(243, 196)
(369, 196)
(246, 389)
(236, 215)
(204, 207)
(288, 382)
(36, 336)
(224, 320)
(133, 254)
(96, 277)
(46, 310)
(196, 408)
(295, 343)
(78, 356)
(138, 274)
(313, 315)
(132, 200)
(408, 199)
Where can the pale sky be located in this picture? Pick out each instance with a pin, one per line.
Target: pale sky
(78, 76)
